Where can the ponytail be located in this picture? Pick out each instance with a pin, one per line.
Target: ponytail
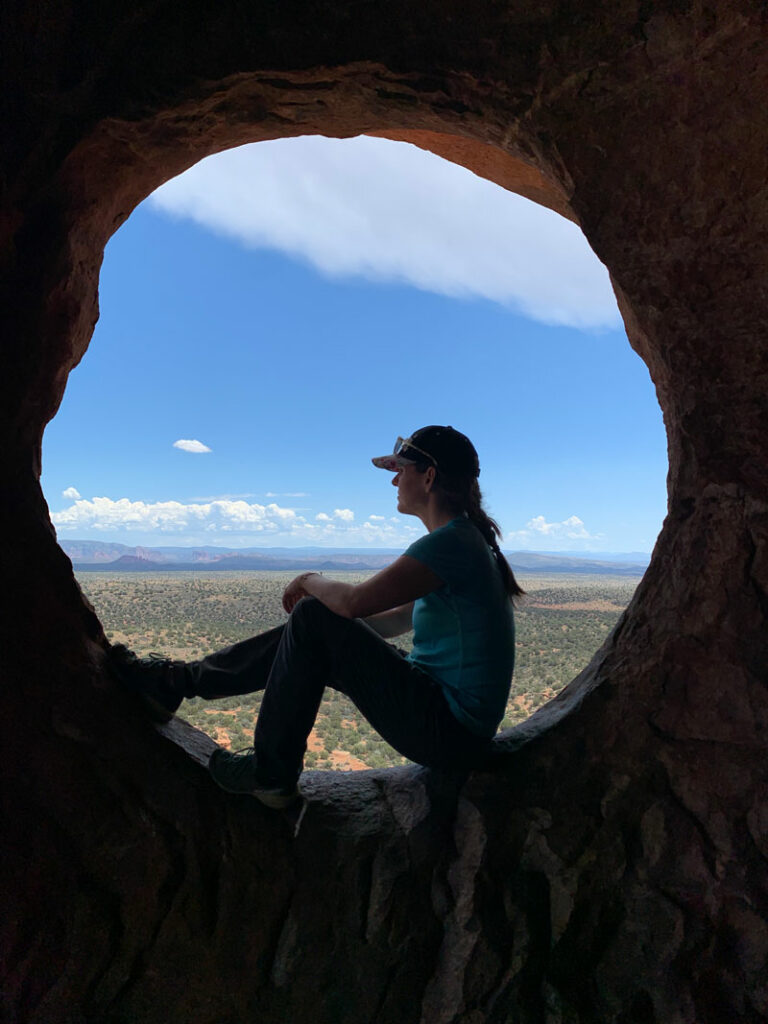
(490, 530)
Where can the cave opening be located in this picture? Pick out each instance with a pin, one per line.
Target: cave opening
(197, 290)
(609, 865)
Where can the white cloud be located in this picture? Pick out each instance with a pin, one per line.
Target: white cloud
(373, 518)
(197, 447)
(106, 515)
(391, 212)
(538, 529)
(570, 527)
(346, 515)
(231, 522)
(71, 492)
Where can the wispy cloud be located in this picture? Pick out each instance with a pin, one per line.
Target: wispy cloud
(235, 522)
(71, 492)
(204, 499)
(391, 212)
(196, 447)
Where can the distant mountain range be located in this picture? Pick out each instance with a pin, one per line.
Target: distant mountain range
(101, 556)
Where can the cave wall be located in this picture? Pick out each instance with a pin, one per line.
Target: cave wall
(610, 863)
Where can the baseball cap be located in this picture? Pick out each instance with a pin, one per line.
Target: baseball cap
(446, 449)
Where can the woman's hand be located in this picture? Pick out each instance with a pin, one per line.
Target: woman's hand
(294, 592)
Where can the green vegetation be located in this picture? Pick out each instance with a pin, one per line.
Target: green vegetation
(560, 624)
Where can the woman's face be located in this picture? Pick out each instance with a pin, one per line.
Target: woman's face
(412, 490)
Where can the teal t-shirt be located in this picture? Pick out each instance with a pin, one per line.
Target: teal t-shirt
(464, 632)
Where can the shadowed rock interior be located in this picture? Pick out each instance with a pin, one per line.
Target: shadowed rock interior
(611, 862)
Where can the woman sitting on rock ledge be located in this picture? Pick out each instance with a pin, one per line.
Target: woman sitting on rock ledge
(440, 705)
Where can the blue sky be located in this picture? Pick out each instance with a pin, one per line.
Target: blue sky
(280, 313)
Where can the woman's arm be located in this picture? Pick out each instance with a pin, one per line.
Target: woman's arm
(400, 583)
(395, 622)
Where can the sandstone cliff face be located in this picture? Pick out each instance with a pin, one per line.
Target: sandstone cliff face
(611, 862)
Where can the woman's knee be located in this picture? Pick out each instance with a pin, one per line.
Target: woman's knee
(311, 619)
(309, 616)
(308, 608)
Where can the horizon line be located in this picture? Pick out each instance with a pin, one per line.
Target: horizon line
(338, 548)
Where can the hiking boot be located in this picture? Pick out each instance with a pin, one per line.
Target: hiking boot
(239, 773)
(157, 681)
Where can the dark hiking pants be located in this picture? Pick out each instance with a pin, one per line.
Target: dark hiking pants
(317, 648)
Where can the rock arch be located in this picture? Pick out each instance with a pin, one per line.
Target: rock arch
(611, 863)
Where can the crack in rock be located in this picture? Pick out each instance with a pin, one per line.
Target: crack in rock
(443, 996)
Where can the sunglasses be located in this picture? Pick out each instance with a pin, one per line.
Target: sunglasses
(405, 442)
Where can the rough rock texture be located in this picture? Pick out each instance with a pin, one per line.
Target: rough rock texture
(611, 862)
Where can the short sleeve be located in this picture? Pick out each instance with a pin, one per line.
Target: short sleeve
(439, 552)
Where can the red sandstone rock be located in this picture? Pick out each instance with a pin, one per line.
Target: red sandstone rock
(611, 864)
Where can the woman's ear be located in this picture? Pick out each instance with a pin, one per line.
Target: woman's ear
(429, 477)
